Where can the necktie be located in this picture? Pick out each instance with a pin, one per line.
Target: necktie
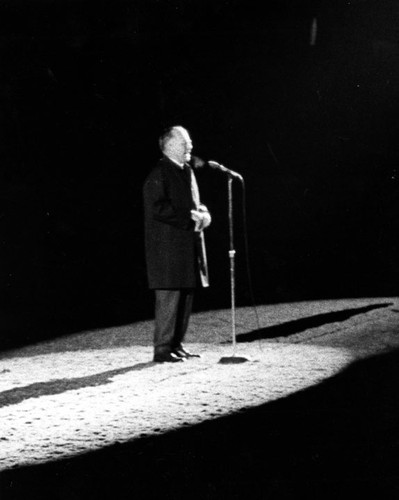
(193, 185)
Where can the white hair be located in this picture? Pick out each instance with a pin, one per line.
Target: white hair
(169, 134)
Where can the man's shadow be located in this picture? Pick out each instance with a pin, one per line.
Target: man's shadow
(339, 437)
(59, 386)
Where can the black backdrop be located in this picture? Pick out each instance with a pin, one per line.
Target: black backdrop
(87, 86)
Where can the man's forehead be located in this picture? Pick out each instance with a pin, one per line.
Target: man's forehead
(181, 133)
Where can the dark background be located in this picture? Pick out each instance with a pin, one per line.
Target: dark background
(86, 87)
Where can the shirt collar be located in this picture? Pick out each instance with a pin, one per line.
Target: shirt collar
(180, 165)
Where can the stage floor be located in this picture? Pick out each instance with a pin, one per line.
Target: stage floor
(90, 390)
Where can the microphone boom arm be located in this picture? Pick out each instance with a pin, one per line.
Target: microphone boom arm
(231, 173)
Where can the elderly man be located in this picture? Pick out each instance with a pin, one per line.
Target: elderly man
(174, 242)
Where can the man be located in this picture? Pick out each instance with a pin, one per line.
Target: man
(174, 242)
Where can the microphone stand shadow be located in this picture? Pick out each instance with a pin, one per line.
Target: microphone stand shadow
(227, 360)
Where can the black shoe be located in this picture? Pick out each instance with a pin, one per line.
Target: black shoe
(182, 353)
(167, 357)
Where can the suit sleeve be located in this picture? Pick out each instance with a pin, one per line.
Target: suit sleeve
(162, 208)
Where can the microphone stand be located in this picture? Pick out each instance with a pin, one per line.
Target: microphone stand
(232, 359)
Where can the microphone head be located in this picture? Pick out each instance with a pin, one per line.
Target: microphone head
(197, 162)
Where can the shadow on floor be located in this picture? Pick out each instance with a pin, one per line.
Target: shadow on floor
(58, 386)
(302, 324)
(340, 437)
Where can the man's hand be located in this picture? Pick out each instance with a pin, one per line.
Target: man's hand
(202, 219)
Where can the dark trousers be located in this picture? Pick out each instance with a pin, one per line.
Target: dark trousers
(172, 315)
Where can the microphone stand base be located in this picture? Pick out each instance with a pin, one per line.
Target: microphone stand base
(232, 360)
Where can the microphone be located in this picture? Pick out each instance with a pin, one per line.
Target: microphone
(197, 162)
(217, 166)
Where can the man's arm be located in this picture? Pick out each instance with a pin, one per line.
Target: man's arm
(162, 207)
(201, 217)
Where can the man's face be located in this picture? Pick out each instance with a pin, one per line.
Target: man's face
(180, 146)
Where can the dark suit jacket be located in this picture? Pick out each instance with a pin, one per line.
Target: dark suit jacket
(171, 244)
